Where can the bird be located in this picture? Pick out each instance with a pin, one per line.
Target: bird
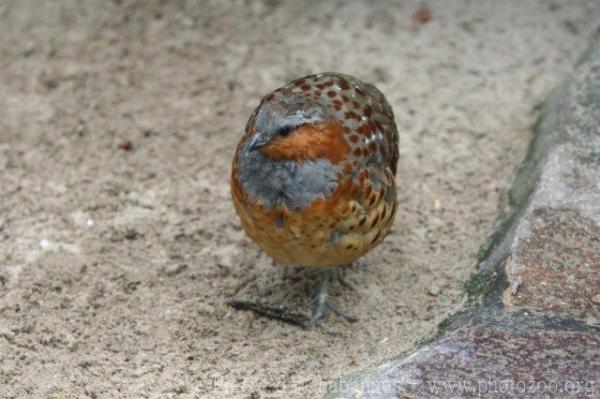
(313, 178)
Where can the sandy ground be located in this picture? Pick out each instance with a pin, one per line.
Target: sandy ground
(119, 246)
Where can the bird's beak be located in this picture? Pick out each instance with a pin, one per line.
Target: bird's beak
(256, 143)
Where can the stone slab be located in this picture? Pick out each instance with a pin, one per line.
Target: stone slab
(496, 354)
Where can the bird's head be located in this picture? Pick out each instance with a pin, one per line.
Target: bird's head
(289, 127)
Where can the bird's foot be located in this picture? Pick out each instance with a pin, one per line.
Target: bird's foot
(279, 312)
(322, 308)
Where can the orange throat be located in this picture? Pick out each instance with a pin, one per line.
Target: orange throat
(310, 142)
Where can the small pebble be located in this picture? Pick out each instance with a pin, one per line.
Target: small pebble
(422, 15)
(173, 270)
(126, 145)
(434, 290)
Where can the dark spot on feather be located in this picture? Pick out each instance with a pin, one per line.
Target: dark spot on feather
(374, 222)
(372, 199)
(376, 237)
(279, 222)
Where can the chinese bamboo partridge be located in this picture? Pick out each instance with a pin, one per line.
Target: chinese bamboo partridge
(313, 177)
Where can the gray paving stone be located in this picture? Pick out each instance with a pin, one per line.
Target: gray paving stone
(554, 262)
(494, 354)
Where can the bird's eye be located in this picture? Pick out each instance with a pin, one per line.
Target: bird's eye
(285, 131)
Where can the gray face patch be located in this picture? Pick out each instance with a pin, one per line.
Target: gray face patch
(284, 114)
(285, 183)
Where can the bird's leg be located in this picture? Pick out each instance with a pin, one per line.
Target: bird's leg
(282, 313)
(322, 303)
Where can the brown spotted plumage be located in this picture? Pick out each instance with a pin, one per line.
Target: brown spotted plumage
(313, 178)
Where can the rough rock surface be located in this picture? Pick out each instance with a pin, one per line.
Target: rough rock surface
(554, 264)
(492, 354)
(537, 331)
